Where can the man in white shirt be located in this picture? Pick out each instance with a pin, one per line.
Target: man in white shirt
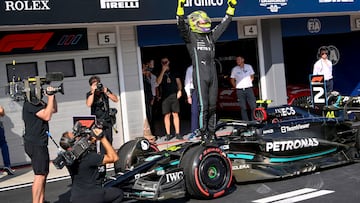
(192, 99)
(241, 78)
(323, 66)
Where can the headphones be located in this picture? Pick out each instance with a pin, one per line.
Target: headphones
(66, 142)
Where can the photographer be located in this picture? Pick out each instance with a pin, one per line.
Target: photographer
(98, 99)
(36, 115)
(86, 170)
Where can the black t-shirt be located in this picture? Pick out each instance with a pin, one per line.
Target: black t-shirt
(35, 127)
(87, 179)
(168, 84)
(100, 106)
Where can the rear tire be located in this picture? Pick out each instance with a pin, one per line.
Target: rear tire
(207, 172)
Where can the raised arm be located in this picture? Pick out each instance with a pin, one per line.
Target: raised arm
(220, 28)
(182, 26)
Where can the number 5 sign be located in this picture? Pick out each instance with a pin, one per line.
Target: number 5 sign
(106, 38)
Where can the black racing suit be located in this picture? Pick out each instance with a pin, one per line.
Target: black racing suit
(201, 48)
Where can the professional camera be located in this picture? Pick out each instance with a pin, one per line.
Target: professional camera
(67, 158)
(32, 88)
(99, 87)
(79, 145)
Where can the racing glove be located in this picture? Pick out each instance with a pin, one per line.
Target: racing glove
(180, 8)
(231, 7)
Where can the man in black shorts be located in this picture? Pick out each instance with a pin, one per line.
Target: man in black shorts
(170, 93)
(36, 114)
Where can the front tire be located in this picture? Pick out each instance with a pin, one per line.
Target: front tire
(131, 152)
(207, 172)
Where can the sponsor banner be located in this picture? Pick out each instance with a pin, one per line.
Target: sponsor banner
(20, 12)
(43, 41)
(169, 34)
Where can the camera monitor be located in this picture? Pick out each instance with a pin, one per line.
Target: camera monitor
(86, 121)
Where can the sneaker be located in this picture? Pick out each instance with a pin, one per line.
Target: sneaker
(168, 137)
(9, 171)
(179, 137)
(192, 136)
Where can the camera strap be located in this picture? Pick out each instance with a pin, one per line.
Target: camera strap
(98, 146)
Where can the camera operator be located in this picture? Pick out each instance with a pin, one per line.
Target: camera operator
(86, 171)
(36, 114)
(98, 99)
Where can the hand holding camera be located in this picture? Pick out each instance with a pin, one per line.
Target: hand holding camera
(53, 90)
(98, 133)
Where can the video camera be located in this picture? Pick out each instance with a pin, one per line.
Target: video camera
(32, 88)
(81, 143)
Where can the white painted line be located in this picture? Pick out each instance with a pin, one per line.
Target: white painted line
(284, 195)
(13, 187)
(305, 196)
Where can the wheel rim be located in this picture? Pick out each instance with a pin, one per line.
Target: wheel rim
(213, 172)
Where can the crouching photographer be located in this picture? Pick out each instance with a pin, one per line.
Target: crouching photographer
(86, 169)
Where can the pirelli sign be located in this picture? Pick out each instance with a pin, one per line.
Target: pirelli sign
(24, 42)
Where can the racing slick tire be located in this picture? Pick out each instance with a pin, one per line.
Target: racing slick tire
(131, 152)
(207, 172)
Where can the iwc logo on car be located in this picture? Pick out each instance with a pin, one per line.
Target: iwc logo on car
(119, 4)
(273, 5)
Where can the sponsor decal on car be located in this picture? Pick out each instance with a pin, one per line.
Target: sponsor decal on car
(240, 167)
(268, 131)
(288, 145)
(287, 111)
(285, 129)
(176, 176)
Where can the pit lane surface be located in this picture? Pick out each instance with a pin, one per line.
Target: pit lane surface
(339, 184)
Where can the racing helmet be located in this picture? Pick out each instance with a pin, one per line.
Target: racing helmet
(199, 22)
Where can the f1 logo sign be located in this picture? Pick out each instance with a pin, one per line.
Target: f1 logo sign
(35, 41)
(318, 90)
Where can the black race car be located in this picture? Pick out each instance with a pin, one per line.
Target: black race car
(284, 141)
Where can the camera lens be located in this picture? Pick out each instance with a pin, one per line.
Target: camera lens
(99, 87)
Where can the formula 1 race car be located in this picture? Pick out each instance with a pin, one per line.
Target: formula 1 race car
(284, 141)
(195, 169)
